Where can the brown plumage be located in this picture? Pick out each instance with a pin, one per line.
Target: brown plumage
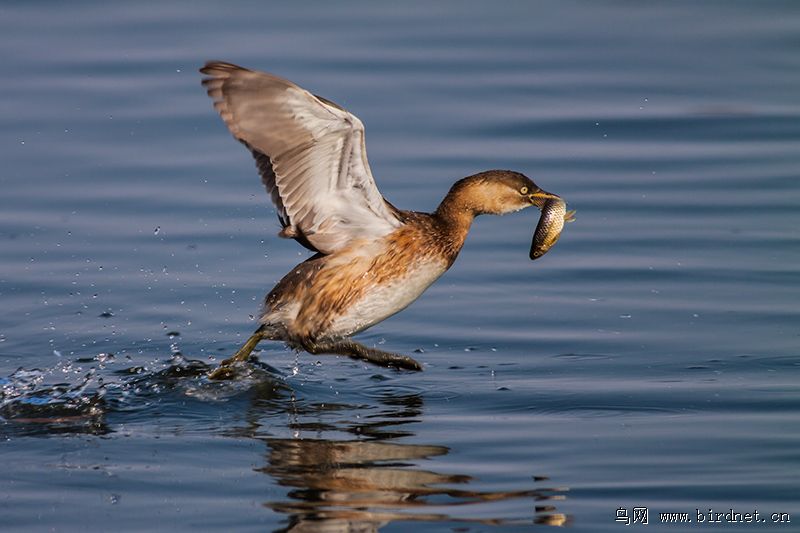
(372, 259)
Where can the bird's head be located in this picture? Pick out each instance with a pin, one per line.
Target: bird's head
(498, 192)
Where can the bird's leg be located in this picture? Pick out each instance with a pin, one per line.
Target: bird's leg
(355, 350)
(223, 370)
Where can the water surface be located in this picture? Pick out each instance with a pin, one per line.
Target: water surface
(650, 359)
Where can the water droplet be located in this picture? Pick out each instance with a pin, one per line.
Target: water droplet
(155, 231)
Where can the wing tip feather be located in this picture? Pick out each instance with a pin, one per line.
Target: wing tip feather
(221, 69)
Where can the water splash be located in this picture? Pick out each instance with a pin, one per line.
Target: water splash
(78, 396)
(28, 398)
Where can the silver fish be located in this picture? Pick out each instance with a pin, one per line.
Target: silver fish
(551, 222)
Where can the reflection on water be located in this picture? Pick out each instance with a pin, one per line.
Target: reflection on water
(364, 483)
(354, 474)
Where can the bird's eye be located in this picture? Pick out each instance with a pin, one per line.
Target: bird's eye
(524, 190)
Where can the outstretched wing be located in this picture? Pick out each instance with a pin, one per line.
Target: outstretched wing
(310, 153)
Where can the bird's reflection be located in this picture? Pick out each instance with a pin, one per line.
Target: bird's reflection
(372, 479)
(349, 465)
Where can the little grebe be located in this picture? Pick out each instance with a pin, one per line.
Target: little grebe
(372, 259)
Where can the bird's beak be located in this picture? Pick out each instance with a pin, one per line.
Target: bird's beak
(540, 197)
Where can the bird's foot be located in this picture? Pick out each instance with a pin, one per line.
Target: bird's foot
(224, 370)
(355, 350)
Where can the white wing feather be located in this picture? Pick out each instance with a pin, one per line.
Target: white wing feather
(319, 180)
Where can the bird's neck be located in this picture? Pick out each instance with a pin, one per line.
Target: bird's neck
(454, 216)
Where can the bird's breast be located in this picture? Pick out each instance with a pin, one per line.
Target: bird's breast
(387, 297)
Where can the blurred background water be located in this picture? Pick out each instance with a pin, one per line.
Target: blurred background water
(651, 359)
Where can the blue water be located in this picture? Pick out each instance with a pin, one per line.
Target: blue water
(650, 359)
